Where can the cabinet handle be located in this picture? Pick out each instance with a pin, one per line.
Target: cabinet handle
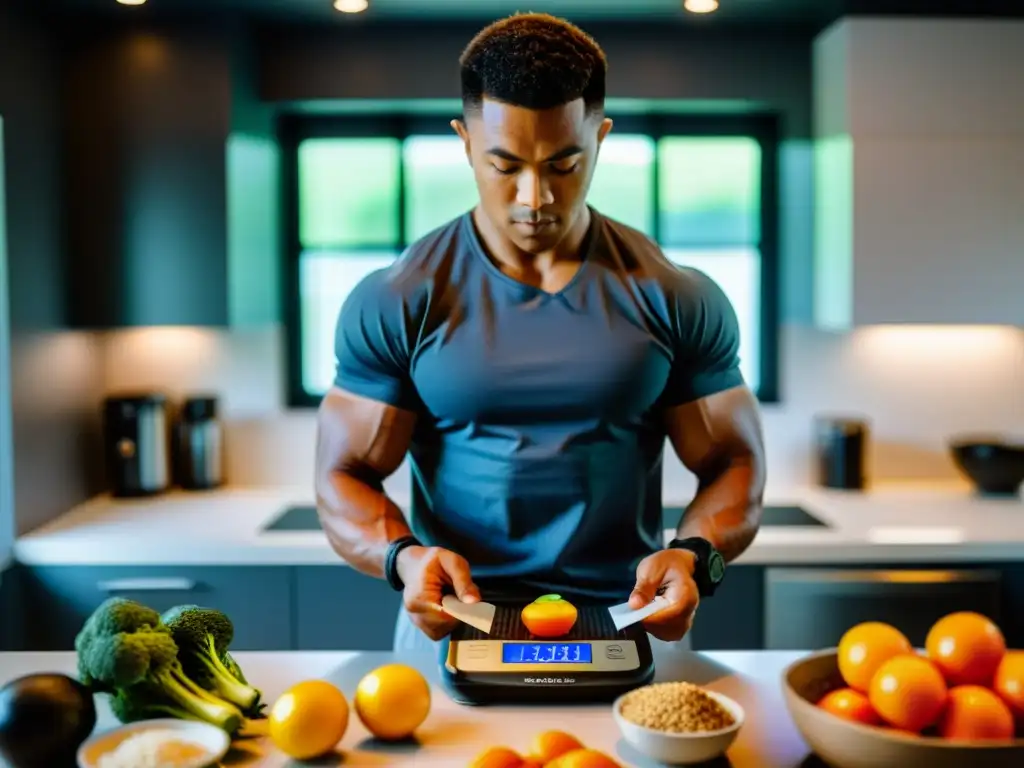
(147, 585)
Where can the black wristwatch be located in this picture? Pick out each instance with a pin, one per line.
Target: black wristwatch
(391, 560)
(709, 568)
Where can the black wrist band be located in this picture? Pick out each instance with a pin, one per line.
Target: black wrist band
(391, 560)
(709, 566)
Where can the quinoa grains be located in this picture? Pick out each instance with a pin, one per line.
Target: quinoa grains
(675, 708)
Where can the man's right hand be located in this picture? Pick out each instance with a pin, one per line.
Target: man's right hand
(428, 573)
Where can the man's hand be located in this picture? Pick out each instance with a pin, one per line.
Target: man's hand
(428, 572)
(669, 572)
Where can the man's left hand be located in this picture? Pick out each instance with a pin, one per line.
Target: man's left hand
(670, 573)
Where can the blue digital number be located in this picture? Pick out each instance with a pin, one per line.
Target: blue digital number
(546, 653)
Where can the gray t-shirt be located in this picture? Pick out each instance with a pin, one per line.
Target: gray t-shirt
(538, 450)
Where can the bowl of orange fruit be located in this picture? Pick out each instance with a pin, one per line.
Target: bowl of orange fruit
(547, 749)
(876, 700)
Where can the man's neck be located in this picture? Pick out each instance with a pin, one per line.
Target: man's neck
(518, 262)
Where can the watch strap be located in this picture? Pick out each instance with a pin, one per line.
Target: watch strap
(391, 560)
(709, 565)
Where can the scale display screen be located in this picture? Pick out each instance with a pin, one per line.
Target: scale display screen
(546, 653)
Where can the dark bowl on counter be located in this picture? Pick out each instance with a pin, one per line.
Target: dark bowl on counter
(995, 466)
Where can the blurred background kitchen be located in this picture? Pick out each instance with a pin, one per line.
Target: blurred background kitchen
(190, 188)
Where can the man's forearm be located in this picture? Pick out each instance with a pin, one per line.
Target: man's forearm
(360, 521)
(727, 509)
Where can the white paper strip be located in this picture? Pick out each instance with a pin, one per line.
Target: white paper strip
(477, 615)
(623, 615)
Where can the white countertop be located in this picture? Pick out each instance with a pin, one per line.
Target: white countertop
(452, 735)
(911, 523)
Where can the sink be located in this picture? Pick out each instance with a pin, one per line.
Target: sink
(773, 516)
(298, 518)
(304, 518)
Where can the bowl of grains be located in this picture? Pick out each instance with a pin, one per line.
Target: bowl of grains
(678, 723)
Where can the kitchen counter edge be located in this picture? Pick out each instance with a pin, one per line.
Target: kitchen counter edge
(906, 523)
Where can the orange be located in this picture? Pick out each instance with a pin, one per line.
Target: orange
(549, 616)
(966, 647)
(975, 713)
(392, 701)
(497, 757)
(583, 758)
(850, 705)
(308, 720)
(864, 648)
(548, 745)
(1009, 683)
(908, 692)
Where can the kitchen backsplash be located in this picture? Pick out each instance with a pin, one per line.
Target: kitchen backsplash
(918, 386)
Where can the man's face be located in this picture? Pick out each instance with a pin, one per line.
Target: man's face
(533, 168)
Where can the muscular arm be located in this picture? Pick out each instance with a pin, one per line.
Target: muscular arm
(719, 439)
(360, 442)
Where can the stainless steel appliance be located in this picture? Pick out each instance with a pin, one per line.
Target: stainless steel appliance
(136, 444)
(199, 445)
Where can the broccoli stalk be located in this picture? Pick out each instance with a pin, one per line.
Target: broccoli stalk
(233, 668)
(173, 695)
(203, 636)
(219, 680)
(124, 649)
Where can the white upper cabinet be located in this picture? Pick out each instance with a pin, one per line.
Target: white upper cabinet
(919, 172)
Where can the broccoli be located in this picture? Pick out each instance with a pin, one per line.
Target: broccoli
(233, 668)
(124, 649)
(203, 636)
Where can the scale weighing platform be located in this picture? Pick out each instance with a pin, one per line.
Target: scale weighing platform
(593, 662)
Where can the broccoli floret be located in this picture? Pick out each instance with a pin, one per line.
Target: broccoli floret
(203, 636)
(125, 650)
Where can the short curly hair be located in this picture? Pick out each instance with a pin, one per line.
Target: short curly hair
(533, 60)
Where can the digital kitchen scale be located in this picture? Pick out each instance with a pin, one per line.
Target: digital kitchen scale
(594, 662)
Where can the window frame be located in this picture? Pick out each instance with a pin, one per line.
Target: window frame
(293, 129)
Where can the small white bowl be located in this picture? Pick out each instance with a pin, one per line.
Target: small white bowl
(213, 739)
(681, 748)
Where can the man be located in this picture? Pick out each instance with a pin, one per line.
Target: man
(531, 357)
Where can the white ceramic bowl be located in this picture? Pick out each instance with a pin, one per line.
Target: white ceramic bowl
(213, 739)
(681, 748)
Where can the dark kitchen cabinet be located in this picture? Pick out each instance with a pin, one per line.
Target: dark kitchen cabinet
(338, 608)
(10, 608)
(59, 599)
(335, 608)
(732, 620)
(171, 180)
(811, 608)
(273, 608)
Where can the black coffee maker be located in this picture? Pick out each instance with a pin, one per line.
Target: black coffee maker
(136, 444)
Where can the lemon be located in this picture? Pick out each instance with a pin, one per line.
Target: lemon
(393, 701)
(308, 720)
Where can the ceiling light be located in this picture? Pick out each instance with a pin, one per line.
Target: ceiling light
(351, 6)
(701, 6)
(132, 2)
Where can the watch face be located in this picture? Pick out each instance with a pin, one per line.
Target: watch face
(716, 567)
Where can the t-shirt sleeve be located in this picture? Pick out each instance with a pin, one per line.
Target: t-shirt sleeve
(372, 344)
(705, 340)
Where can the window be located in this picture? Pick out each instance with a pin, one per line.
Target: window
(363, 189)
